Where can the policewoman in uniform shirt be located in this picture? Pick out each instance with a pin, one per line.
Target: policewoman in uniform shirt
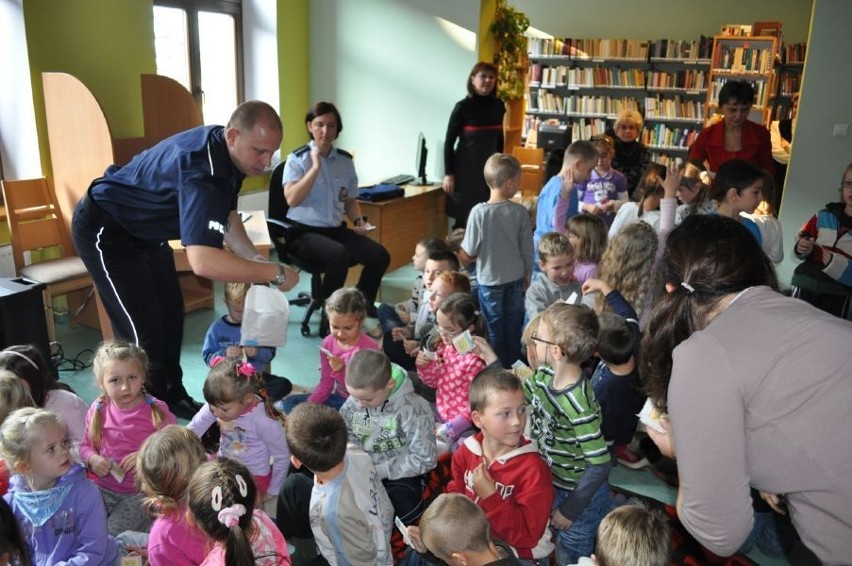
(184, 187)
(320, 185)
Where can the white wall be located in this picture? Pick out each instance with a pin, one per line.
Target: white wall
(659, 19)
(393, 68)
(18, 137)
(818, 158)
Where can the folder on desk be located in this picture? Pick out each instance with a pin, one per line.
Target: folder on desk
(380, 192)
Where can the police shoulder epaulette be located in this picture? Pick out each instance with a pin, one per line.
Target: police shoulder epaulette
(300, 151)
(344, 152)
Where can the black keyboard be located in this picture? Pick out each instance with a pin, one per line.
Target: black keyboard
(398, 180)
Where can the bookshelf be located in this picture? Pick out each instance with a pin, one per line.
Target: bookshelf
(744, 58)
(582, 85)
(789, 73)
(676, 90)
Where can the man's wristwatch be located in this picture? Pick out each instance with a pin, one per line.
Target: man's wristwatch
(281, 277)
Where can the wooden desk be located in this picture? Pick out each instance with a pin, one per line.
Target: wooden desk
(198, 291)
(402, 222)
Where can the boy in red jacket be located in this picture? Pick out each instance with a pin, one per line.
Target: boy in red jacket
(501, 470)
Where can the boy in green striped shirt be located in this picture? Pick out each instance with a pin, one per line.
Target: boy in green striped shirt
(566, 422)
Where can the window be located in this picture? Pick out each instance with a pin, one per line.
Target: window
(198, 44)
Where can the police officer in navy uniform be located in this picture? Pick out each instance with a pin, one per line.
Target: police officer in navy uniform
(320, 185)
(184, 187)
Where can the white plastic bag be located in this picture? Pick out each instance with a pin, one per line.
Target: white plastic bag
(266, 314)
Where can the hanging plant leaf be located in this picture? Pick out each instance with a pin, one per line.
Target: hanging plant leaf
(510, 50)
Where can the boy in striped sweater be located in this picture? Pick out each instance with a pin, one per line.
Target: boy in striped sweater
(566, 423)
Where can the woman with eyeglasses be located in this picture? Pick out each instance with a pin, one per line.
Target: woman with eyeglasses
(824, 278)
(756, 389)
(735, 136)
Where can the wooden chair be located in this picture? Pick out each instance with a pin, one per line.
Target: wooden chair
(35, 223)
(532, 169)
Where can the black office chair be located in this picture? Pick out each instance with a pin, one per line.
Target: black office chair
(278, 225)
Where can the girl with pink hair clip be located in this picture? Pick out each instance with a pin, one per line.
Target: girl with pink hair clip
(251, 430)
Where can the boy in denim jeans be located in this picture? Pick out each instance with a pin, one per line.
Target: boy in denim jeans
(499, 237)
(565, 421)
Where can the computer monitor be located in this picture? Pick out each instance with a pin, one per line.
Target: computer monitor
(420, 160)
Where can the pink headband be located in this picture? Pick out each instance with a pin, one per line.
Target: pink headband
(20, 355)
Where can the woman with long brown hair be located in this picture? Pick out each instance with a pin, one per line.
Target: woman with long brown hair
(757, 389)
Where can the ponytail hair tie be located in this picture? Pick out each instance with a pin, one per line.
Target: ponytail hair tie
(689, 288)
(215, 360)
(230, 516)
(149, 399)
(246, 369)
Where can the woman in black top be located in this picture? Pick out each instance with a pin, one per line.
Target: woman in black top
(477, 124)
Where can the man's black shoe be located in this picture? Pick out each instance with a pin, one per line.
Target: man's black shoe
(185, 408)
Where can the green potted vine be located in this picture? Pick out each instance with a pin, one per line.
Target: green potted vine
(510, 50)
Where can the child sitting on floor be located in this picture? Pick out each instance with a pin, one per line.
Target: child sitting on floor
(346, 310)
(223, 341)
(394, 425)
(401, 314)
(448, 370)
(343, 507)
(616, 377)
(455, 530)
(501, 470)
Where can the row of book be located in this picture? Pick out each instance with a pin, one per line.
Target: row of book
(759, 85)
(789, 83)
(794, 54)
(655, 108)
(689, 80)
(544, 101)
(781, 111)
(544, 76)
(674, 109)
(660, 141)
(681, 49)
(580, 128)
(664, 158)
(663, 136)
(740, 59)
(636, 49)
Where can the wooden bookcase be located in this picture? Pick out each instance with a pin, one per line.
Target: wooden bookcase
(676, 90)
(744, 58)
(789, 73)
(583, 84)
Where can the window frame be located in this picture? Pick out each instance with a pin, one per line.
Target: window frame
(193, 7)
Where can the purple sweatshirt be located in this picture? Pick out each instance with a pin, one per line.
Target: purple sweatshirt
(76, 533)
